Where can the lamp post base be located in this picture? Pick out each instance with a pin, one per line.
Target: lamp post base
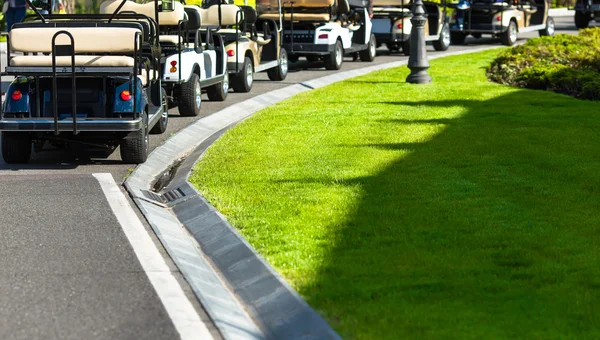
(419, 77)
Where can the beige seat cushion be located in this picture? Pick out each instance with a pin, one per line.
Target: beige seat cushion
(230, 14)
(203, 13)
(170, 18)
(297, 3)
(80, 60)
(228, 31)
(391, 9)
(312, 17)
(262, 41)
(379, 3)
(87, 39)
(173, 39)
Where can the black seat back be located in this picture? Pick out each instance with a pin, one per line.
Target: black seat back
(250, 18)
(194, 20)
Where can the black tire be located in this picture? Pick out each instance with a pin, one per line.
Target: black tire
(509, 37)
(134, 149)
(582, 20)
(243, 80)
(219, 92)
(189, 97)
(371, 51)
(443, 42)
(549, 30)
(457, 38)
(406, 47)
(16, 147)
(280, 72)
(335, 59)
(292, 58)
(392, 46)
(161, 126)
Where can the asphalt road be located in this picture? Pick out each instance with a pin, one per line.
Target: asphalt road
(68, 269)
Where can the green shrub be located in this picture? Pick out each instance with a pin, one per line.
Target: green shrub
(563, 63)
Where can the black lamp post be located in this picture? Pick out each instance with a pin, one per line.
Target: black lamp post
(417, 61)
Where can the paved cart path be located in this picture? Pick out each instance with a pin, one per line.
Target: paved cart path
(69, 270)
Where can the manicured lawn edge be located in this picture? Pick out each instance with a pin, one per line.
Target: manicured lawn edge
(318, 285)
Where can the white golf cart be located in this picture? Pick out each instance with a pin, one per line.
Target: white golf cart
(193, 57)
(392, 25)
(324, 29)
(252, 44)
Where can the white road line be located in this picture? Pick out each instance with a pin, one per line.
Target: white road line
(180, 310)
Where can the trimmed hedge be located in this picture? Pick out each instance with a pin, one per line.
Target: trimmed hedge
(563, 63)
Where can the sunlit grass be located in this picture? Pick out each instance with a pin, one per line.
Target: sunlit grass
(460, 209)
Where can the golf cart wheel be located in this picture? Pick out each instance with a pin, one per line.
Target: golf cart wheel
(509, 37)
(369, 53)
(280, 72)
(134, 148)
(406, 47)
(219, 92)
(549, 30)
(335, 59)
(16, 147)
(242, 81)
(190, 97)
(443, 42)
(163, 122)
(457, 38)
(582, 20)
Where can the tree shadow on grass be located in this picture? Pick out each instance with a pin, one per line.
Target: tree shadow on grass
(488, 230)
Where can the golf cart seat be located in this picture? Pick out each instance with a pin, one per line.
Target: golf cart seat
(528, 7)
(494, 3)
(250, 19)
(391, 6)
(309, 10)
(304, 17)
(231, 17)
(391, 3)
(94, 47)
(171, 18)
(202, 13)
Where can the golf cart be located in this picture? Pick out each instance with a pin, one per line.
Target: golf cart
(324, 29)
(392, 25)
(84, 80)
(500, 18)
(252, 44)
(192, 60)
(586, 11)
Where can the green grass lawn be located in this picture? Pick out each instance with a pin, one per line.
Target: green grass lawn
(462, 209)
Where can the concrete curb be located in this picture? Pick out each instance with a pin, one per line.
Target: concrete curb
(241, 292)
